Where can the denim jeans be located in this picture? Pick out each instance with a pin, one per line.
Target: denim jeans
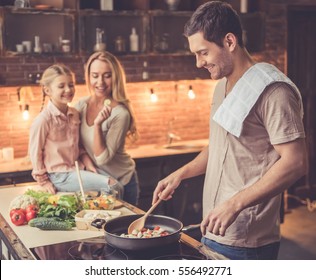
(267, 252)
(131, 190)
(68, 181)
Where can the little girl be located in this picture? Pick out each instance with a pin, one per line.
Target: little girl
(54, 140)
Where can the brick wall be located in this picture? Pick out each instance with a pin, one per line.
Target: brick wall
(190, 117)
(187, 118)
(15, 70)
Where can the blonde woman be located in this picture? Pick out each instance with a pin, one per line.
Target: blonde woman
(107, 119)
(54, 139)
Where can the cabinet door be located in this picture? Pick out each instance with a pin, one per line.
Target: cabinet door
(149, 171)
(113, 24)
(301, 57)
(186, 203)
(24, 24)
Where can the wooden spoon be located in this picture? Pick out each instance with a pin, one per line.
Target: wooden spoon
(80, 181)
(140, 222)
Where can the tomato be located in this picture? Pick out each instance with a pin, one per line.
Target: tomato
(18, 218)
(31, 214)
(17, 210)
(31, 207)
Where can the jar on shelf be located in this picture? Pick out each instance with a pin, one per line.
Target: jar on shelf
(120, 46)
(65, 46)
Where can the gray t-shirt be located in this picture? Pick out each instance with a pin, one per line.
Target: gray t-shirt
(114, 160)
(237, 163)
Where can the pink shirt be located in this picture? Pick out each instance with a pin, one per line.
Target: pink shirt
(54, 140)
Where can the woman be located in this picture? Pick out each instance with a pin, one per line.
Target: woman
(54, 139)
(107, 119)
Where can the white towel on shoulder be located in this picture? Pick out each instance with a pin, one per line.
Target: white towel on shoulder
(237, 105)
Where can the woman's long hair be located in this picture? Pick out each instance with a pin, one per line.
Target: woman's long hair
(118, 85)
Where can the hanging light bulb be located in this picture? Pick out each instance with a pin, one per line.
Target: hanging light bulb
(191, 93)
(153, 96)
(26, 113)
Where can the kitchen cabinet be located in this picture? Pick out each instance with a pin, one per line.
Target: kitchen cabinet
(113, 24)
(77, 21)
(301, 56)
(79, 26)
(167, 32)
(145, 5)
(14, 178)
(18, 25)
(186, 204)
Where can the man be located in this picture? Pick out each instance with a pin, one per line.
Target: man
(256, 144)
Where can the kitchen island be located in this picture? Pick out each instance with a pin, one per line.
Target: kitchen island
(17, 241)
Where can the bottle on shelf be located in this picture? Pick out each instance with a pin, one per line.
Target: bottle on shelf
(99, 45)
(37, 45)
(106, 5)
(134, 42)
(145, 74)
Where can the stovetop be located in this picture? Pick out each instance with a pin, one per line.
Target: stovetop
(97, 249)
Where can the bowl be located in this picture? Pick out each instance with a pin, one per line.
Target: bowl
(84, 218)
(98, 200)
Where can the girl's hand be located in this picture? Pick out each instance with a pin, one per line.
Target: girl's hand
(41, 179)
(49, 187)
(103, 115)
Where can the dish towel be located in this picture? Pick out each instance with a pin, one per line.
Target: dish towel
(237, 105)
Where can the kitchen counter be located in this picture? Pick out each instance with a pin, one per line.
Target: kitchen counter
(16, 241)
(137, 152)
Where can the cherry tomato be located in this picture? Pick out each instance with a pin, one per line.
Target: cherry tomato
(31, 207)
(18, 218)
(31, 214)
(17, 210)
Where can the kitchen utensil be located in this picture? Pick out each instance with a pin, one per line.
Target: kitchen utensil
(139, 223)
(80, 181)
(115, 227)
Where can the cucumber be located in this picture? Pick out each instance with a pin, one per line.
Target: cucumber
(50, 224)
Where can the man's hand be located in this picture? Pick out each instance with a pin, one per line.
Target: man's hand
(166, 187)
(219, 219)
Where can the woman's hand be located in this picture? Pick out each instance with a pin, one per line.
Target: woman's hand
(88, 163)
(103, 115)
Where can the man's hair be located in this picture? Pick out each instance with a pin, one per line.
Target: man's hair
(215, 19)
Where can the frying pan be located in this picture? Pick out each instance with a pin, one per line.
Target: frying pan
(115, 227)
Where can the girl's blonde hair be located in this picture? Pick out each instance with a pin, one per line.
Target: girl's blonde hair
(118, 85)
(50, 74)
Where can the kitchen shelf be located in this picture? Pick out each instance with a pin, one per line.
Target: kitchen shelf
(167, 31)
(113, 23)
(19, 25)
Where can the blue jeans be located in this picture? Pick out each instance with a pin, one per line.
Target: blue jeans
(131, 190)
(68, 181)
(267, 252)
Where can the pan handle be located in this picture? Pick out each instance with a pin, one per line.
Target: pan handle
(190, 227)
(98, 223)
